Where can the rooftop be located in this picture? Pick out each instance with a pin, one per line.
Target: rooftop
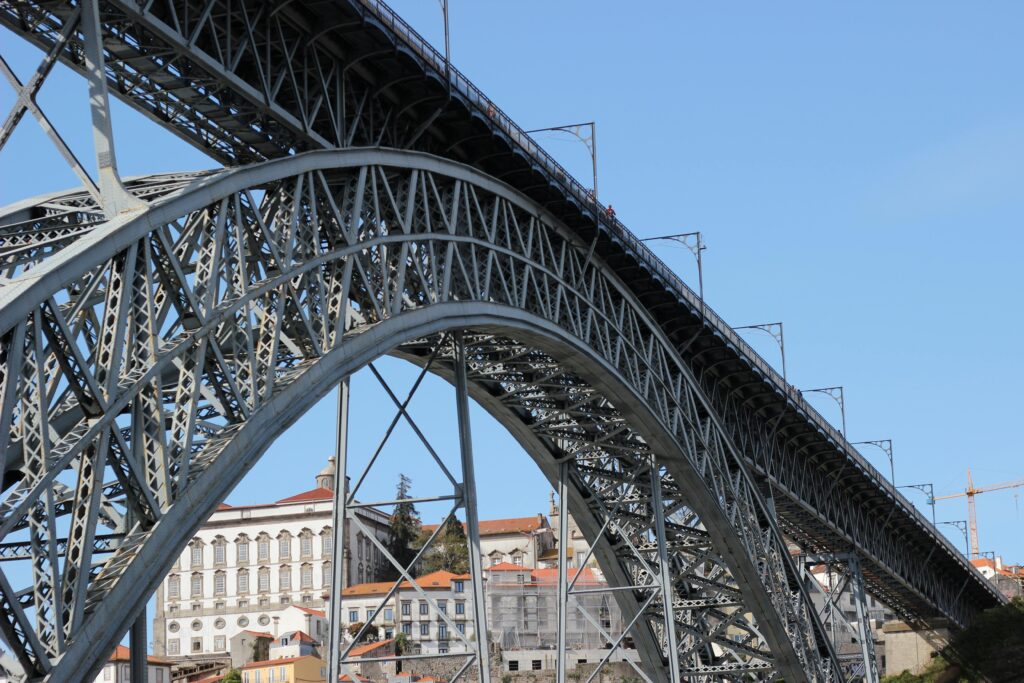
(512, 525)
(123, 654)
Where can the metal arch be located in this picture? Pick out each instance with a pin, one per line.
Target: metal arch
(501, 252)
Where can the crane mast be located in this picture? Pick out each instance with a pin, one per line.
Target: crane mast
(972, 515)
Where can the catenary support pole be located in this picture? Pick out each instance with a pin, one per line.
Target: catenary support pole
(563, 568)
(665, 578)
(472, 520)
(338, 516)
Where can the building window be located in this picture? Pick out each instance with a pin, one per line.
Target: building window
(306, 576)
(353, 616)
(197, 645)
(244, 603)
(219, 643)
(406, 608)
(325, 574)
(284, 578)
(197, 553)
(442, 632)
(369, 614)
(535, 664)
(389, 614)
(442, 606)
(243, 581)
(495, 559)
(326, 543)
(424, 608)
(106, 672)
(513, 665)
(520, 578)
(442, 649)
(285, 600)
(219, 623)
(407, 629)
(462, 627)
(284, 546)
(459, 586)
(359, 546)
(242, 549)
(173, 587)
(306, 545)
(220, 552)
(517, 559)
(220, 583)
(263, 548)
(425, 629)
(264, 580)
(460, 607)
(173, 646)
(197, 585)
(362, 574)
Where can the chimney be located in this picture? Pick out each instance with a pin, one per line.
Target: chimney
(276, 621)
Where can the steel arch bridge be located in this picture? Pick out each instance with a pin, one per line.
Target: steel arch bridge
(157, 334)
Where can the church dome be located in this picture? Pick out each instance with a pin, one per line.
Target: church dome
(325, 479)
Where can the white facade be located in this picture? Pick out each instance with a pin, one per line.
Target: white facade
(118, 669)
(247, 565)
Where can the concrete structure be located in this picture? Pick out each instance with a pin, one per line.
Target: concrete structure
(910, 649)
(118, 668)
(248, 565)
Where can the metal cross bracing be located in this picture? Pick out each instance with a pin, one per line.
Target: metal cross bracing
(180, 340)
(244, 81)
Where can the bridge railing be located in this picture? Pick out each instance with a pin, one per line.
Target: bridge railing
(587, 201)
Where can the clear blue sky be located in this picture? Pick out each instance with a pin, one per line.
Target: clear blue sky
(856, 171)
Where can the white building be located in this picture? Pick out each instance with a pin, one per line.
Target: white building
(408, 612)
(118, 668)
(522, 541)
(248, 565)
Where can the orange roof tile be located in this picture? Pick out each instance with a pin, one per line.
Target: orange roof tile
(275, 662)
(123, 654)
(300, 636)
(372, 588)
(308, 610)
(360, 650)
(551, 575)
(505, 567)
(308, 496)
(496, 527)
(259, 634)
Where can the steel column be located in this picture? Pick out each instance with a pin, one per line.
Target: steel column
(563, 567)
(138, 648)
(665, 576)
(338, 516)
(472, 520)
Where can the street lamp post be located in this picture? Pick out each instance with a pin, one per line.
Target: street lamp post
(927, 489)
(837, 395)
(447, 45)
(694, 243)
(590, 141)
(960, 524)
(885, 445)
(775, 330)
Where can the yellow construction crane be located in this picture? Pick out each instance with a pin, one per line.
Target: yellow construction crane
(972, 514)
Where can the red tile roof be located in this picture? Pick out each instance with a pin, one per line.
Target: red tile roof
(497, 527)
(551, 575)
(314, 612)
(275, 662)
(438, 579)
(123, 654)
(361, 650)
(300, 636)
(308, 496)
(505, 567)
(372, 588)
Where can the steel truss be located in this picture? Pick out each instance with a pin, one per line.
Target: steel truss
(247, 80)
(151, 360)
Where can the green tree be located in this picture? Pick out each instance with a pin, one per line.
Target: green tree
(450, 551)
(405, 528)
(232, 676)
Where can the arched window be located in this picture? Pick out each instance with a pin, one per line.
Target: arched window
(284, 578)
(220, 583)
(264, 580)
(197, 585)
(327, 542)
(361, 575)
(359, 545)
(242, 549)
(263, 548)
(326, 575)
(284, 546)
(306, 575)
(242, 581)
(306, 544)
(173, 587)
